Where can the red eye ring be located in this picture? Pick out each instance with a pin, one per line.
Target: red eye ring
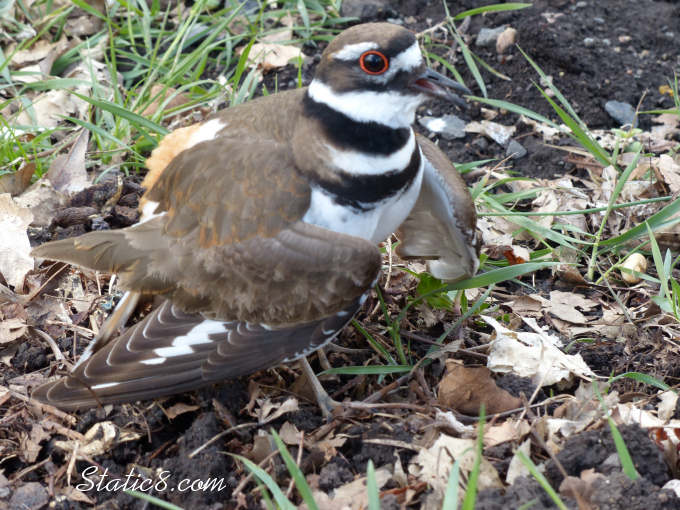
(371, 67)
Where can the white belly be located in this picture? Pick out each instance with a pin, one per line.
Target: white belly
(375, 224)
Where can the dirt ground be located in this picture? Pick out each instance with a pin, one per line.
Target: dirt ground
(595, 51)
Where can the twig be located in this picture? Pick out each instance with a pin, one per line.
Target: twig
(242, 483)
(221, 434)
(29, 469)
(298, 459)
(53, 345)
(45, 407)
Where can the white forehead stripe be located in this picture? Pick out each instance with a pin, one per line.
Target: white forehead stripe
(354, 51)
(408, 59)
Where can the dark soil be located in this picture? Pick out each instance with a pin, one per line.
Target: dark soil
(633, 50)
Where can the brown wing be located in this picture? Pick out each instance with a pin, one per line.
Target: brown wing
(170, 351)
(442, 225)
(230, 244)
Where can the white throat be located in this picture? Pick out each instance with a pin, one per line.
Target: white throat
(389, 108)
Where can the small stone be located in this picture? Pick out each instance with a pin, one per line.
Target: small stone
(488, 36)
(448, 126)
(365, 10)
(30, 496)
(515, 150)
(98, 223)
(598, 20)
(623, 113)
(480, 144)
(581, 5)
(507, 38)
(589, 42)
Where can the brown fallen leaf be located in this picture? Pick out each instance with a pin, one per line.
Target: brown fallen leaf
(16, 182)
(67, 172)
(159, 95)
(268, 56)
(580, 488)
(466, 388)
(179, 408)
(30, 443)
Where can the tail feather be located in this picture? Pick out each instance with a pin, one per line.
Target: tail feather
(107, 251)
(129, 252)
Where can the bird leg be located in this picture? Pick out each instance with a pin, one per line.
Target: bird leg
(112, 324)
(326, 403)
(323, 360)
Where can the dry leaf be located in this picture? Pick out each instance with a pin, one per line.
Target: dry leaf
(160, 93)
(670, 170)
(466, 388)
(180, 408)
(289, 434)
(509, 430)
(517, 468)
(16, 182)
(535, 355)
(15, 248)
(73, 494)
(50, 107)
(497, 132)
(352, 496)
(448, 421)
(268, 56)
(30, 443)
(43, 201)
(99, 439)
(269, 411)
(666, 408)
(432, 465)
(67, 173)
(11, 329)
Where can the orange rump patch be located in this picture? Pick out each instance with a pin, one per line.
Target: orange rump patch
(167, 150)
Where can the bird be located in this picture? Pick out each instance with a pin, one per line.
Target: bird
(260, 226)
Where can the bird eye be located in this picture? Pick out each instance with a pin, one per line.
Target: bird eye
(373, 62)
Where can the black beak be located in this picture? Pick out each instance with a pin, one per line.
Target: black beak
(434, 84)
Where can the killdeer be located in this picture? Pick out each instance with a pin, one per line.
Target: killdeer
(260, 226)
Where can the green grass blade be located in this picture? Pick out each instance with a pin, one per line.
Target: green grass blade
(452, 487)
(137, 120)
(560, 97)
(499, 275)
(264, 477)
(152, 499)
(579, 133)
(543, 482)
(510, 6)
(663, 218)
(626, 460)
(375, 344)
(471, 489)
(627, 464)
(663, 273)
(372, 487)
(643, 378)
(519, 110)
(296, 473)
(368, 370)
(88, 8)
